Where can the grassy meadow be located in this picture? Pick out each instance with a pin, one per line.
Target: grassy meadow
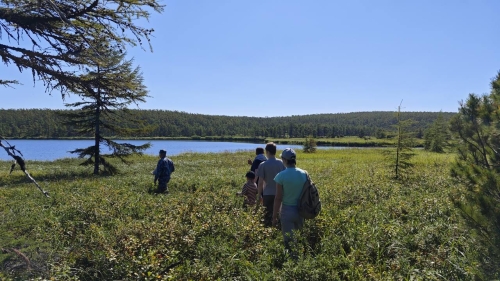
(372, 227)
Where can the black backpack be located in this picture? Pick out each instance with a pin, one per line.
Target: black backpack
(309, 203)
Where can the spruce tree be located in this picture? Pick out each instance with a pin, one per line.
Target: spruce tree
(476, 130)
(436, 137)
(47, 37)
(109, 88)
(400, 156)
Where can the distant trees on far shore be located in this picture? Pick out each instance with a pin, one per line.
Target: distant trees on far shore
(45, 123)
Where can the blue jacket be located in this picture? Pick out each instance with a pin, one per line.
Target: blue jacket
(256, 162)
(164, 169)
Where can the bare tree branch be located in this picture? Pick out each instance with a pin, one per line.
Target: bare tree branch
(18, 159)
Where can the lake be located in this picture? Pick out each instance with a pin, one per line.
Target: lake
(48, 150)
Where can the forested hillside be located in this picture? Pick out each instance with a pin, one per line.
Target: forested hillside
(44, 123)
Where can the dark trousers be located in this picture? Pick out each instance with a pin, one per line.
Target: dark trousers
(162, 187)
(268, 202)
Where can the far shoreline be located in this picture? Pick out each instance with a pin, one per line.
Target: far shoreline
(348, 141)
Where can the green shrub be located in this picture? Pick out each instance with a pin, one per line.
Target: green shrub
(309, 145)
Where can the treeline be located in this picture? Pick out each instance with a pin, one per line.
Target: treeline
(45, 123)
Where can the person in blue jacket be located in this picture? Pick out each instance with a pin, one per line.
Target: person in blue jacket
(163, 171)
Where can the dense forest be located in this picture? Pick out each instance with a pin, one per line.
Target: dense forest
(45, 123)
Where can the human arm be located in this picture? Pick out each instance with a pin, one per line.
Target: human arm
(260, 184)
(260, 188)
(249, 161)
(155, 173)
(277, 203)
(255, 168)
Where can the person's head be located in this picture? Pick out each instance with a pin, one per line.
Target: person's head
(271, 149)
(259, 150)
(289, 157)
(250, 176)
(163, 153)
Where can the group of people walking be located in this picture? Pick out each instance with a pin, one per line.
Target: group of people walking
(274, 183)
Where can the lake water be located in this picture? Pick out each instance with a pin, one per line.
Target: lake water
(48, 150)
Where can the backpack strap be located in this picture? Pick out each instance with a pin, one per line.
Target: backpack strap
(308, 180)
(306, 183)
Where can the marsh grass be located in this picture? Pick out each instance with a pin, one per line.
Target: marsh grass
(372, 227)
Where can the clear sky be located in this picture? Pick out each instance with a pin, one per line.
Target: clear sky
(280, 58)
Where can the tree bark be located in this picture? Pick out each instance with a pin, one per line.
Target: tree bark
(97, 129)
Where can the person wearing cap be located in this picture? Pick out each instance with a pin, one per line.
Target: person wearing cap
(249, 190)
(266, 172)
(164, 169)
(289, 184)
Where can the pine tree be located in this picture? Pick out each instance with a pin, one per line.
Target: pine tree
(47, 37)
(477, 132)
(400, 157)
(436, 138)
(111, 86)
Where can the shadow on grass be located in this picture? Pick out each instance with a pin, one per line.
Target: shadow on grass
(23, 265)
(153, 190)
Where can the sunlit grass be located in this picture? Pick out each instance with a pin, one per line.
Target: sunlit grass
(113, 228)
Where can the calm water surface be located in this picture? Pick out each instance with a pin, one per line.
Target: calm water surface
(48, 150)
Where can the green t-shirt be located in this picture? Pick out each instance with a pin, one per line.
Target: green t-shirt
(292, 180)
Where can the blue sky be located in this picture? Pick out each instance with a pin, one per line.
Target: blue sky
(280, 58)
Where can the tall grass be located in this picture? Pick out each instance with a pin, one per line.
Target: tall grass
(114, 228)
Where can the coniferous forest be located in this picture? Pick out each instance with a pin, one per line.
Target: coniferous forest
(45, 123)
